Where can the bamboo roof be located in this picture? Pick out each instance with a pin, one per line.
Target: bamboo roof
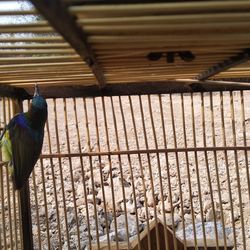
(83, 47)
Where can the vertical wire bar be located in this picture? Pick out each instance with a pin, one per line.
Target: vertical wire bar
(54, 185)
(10, 114)
(237, 169)
(131, 171)
(15, 202)
(99, 160)
(217, 171)
(20, 216)
(168, 173)
(208, 170)
(178, 170)
(37, 211)
(197, 173)
(1, 180)
(7, 181)
(150, 174)
(187, 167)
(45, 203)
(9, 193)
(1, 238)
(83, 171)
(61, 172)
(243, 118)
(159, 171)
(13, 192)
(227, 167)
(110, 168)
(91, 169)
(71, 170)
(18, 106)
(2, 193)
(141, 171)
(120, 168)
(15, 218)
(8, 185)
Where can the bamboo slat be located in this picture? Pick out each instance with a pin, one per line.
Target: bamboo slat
(17, 12)
(36, 46)
(160, 8)
(166, 29)
(36, 52)
(166, 19)
(44, 39)
(241, 37)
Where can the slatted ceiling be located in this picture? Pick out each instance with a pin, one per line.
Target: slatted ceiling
(169, 19)
(140, 68)
(142, 52)
(48, 82)
(35, 46)
(38, 27)
(162, 61)
(121, 36)
(32, 66)
(173, 29)
(31, 51)
(36, 51)
(53, 83)
(160, 8)
(31, 39)
(73, 58)
(18, 12)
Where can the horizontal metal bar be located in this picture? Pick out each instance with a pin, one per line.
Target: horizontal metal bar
(184, 86)
(149, 151)
(13, 92)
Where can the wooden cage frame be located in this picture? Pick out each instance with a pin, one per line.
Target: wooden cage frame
(84, 59)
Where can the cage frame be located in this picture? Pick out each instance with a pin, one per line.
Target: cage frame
(61, 20)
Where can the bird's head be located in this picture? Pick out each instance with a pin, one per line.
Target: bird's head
(38, 101)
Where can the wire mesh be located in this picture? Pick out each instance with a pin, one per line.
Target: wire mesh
(139, 172)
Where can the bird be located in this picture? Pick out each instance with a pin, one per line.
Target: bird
(22, 139)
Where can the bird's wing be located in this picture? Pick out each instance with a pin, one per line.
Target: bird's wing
(26, 148)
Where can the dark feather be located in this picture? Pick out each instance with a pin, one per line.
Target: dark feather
(26, 131)
(26, 148)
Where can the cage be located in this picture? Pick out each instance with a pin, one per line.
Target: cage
(146, 144)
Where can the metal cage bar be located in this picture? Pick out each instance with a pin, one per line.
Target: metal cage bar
(137, 172)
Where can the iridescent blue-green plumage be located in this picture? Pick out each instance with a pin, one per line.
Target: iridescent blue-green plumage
(22, 140)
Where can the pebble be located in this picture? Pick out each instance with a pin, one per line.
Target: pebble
(209, 229)
(131, 223)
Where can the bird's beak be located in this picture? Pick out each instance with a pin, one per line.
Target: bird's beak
(36, 90)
